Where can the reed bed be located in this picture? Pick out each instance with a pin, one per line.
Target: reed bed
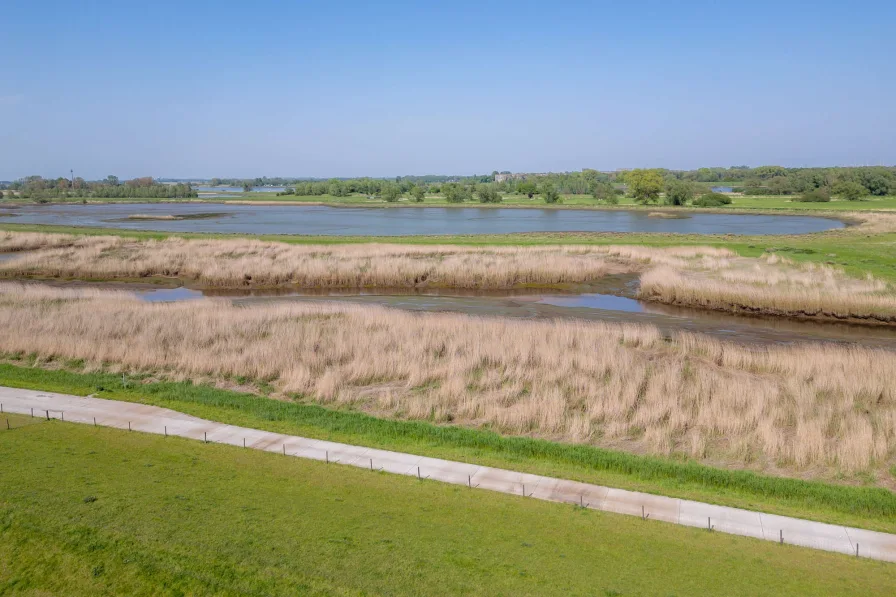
(712, 278)
(815, 409)
(11, 242)
(774, 286)
(241, 262)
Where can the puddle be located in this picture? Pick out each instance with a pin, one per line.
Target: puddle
(169, 295)
(595, 301)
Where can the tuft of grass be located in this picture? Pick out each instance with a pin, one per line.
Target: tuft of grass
(250, 523)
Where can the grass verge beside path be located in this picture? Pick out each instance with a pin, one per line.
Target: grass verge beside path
(867, 507)
(95, 511)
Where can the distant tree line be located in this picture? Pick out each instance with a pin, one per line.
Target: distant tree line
(675, 187)
(846, 183)
(48, 189)
(805, 184)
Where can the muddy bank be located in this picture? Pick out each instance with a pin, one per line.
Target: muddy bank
(169, 217)
(820, 316)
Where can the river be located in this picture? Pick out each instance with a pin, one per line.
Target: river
(362, 221)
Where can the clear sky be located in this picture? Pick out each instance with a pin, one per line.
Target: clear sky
(245, 89)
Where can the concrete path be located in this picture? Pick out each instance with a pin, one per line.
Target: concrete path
(152, 419)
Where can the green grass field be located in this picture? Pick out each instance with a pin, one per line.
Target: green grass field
(94, 511)
(868, 507)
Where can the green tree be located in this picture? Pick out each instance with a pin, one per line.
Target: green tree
(418, 193)
(456, 193)
(549, 193)
(604, 191)
(645, 186)
(878, 185)
(391, 193)
(112, 180)
(337, 188)
(849, 190)
(247, 186)
(527, 188)
(488, 194)
(679, 192)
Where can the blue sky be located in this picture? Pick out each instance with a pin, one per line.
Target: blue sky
(226, 88)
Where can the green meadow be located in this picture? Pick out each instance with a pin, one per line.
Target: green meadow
(95, 511)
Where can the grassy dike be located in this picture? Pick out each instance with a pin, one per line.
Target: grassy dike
(95, 511)
(868, 507)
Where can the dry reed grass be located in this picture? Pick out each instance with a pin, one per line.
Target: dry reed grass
(775, 286)
(31, 241)
(240, 262)
(810, 408)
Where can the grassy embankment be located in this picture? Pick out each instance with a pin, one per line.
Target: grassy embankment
(92, 511)
(868, 507)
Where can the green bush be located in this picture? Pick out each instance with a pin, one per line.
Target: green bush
(712, 200)
(757, 191)
(814, 196)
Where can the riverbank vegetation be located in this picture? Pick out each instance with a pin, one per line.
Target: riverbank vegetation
(115, 517)
(705, 277)
(815, 410)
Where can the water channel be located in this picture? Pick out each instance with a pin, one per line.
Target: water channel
(611, 300)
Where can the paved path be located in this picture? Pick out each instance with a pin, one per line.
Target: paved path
(152, 419)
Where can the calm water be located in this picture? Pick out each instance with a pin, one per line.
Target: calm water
(275, 219)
